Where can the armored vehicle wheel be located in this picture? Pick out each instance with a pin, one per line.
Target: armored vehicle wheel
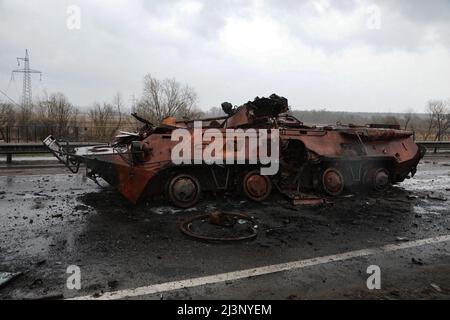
(380, 179)
(332, 181)
(377, 178)
(256, 186)
(183, 190)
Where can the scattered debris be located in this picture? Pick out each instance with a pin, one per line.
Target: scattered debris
(81, 207)
(39, 194)
(5, 277)
(436, 287)
(436, 196)
(395, 293)
(402, 239)
(222, 224)
(165, 210)
(112, 284)
(36, 283)
(298, 198)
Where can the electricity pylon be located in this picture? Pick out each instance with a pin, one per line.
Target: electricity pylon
(26, 90)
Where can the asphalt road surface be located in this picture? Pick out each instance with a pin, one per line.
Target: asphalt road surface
(50, 220)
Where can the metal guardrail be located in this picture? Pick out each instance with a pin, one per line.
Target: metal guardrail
(82, 132)
(9, 149)
(435, 144)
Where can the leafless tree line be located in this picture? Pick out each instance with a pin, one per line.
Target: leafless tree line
(432, 125)
(160, 99)
(55, 114)
(170, 98)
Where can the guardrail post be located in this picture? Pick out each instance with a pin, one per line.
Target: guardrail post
(9, 158)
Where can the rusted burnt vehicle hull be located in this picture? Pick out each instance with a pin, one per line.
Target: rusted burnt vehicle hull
(330, 160)
(317, 159)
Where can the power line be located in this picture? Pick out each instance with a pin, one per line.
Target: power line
(9, 98)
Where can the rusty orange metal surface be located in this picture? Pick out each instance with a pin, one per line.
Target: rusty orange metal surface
(315, 159)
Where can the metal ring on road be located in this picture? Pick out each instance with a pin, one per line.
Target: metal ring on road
(185, 227)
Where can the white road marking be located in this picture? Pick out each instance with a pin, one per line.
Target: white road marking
(247, 273)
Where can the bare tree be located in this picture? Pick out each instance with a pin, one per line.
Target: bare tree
(74, 121)
(118, 105)
(7, 118)
(430, 124)
(165, 98)
(55, 114)
(106, 118)
(25, 115)
(438, 119)
(407, 117)
(56, 110)
(101, 116)
(7, 114)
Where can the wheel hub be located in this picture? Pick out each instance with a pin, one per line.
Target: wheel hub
(184, 189)
(381, 179)
(256, 185)
(333, 181)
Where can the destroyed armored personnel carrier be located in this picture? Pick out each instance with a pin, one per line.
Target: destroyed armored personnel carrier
(312, 159)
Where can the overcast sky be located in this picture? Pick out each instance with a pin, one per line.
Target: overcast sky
(339, 55)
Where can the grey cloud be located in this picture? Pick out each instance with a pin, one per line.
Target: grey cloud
(405, 24)
(211, 18)
(116, 46)
(419, 11)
